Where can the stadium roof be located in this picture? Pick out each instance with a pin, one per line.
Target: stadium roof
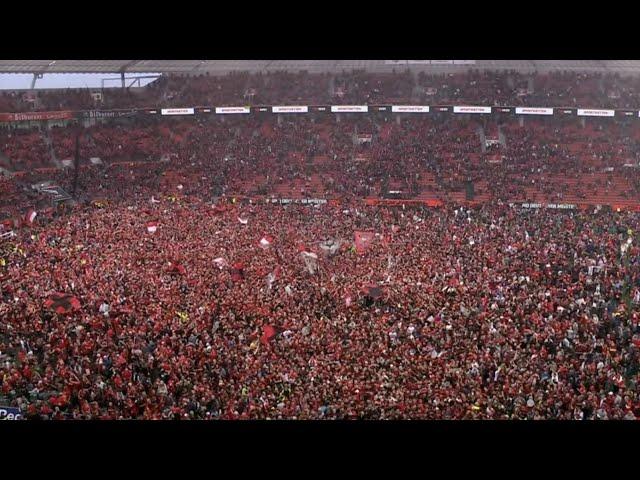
(629, 67)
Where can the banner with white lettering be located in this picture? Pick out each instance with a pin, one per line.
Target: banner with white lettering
(349, 108)
(561, 206)
(533, 111)
(585, 112)
(470, 109)
(177, 111)
(10, 413)
(290, 109)
(233, 110)
(410, 109)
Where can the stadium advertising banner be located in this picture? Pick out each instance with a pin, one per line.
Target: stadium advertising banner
(315, 201)
(10, 413)
(533, 111)
(410, 109)
(583, 112)
(31, 116)
(464, 109)
(177, 111)
(223, 110)
(470, 109)
(349, 108)
(290, 109)
(561, 206)
(109, 113)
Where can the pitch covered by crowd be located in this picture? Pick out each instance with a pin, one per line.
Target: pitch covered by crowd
(176, 307)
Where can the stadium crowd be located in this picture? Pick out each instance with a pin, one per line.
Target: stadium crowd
(422, 157)
(162, 291)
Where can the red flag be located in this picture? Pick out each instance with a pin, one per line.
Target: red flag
(177, 268)
(268, 332)
(237, 272)
(363, 241)
(218, 210)
(62, 303)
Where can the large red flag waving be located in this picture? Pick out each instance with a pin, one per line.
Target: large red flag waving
(268, 332)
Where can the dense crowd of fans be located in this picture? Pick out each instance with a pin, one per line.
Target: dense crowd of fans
(418, 157)
(174, 288)
(492, 312)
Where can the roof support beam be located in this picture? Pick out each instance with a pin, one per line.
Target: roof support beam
(128, 65)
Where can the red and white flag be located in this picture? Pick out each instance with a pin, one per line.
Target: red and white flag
(220, 262)
(152, 227)
(31, 215)
(266, 241)
(273, 276)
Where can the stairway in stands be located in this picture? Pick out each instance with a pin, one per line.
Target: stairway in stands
(469, 191)
(46, 135)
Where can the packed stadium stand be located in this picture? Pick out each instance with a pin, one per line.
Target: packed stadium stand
(320, 265)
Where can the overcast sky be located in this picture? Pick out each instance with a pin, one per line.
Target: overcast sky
(15, 81)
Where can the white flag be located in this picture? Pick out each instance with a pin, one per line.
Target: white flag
(310, 260)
